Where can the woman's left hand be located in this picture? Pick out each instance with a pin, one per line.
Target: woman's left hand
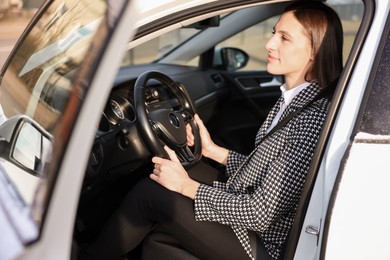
(172, 175)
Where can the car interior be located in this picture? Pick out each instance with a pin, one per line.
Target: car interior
(214, 67)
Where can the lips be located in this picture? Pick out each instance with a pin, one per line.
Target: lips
(271, 58)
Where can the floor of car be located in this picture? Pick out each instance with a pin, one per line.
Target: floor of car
(93, 214)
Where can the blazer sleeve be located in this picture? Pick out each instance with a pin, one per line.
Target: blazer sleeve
(278, 192)
(234, 161)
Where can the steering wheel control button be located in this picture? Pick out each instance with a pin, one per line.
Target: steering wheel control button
(185, 115)
(155, 93)
(155, 126)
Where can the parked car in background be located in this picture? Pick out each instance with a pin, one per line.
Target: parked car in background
(76, 135)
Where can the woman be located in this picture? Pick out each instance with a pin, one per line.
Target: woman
(250, 214)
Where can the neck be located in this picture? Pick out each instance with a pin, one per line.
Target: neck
(293, 83)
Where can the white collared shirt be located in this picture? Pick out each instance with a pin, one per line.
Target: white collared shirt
(2, 116)
(288, 95)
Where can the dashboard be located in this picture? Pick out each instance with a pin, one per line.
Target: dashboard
(120, 105)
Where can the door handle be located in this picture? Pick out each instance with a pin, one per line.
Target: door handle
(274, 82)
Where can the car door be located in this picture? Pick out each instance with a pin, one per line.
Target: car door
(53, 88)
(357, 220)
(335, 192)
(57, 76)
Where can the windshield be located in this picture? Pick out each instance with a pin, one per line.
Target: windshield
(151, 51)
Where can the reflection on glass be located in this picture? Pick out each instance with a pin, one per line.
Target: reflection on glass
(35, 91)
(31, 147)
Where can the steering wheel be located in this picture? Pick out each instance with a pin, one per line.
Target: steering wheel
(165, 124)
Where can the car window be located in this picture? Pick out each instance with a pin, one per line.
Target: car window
(252, 40)
(157, 47)
(35, 90)
(375, 122)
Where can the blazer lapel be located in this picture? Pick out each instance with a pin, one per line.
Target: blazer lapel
(267, 122)
(300, 100)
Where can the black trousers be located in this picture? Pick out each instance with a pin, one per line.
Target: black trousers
(164, 221)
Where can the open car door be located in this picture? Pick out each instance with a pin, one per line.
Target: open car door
(61, 69)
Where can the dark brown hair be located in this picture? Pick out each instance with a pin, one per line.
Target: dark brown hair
(323, 26)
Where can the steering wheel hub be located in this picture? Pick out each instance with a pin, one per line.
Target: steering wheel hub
(174, 120)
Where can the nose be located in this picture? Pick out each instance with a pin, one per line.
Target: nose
(270, 44)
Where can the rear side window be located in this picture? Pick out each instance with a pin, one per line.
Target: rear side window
(376, 115)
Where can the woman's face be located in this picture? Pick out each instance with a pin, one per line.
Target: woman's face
(289, 50)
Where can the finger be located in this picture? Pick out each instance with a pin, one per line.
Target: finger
(199, 121)
(190, 140)
(188, 128)
(190, 135)
(171, 154)
(153, 177)
(157, 160)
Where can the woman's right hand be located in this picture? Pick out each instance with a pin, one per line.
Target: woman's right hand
(209, 148)
(204, 135)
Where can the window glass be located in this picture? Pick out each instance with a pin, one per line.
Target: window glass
(351, 14)
(31, 147)
(253, 39)
(156, 48)
(376, 116)
(35, 89)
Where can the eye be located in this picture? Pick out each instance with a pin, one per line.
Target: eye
(285, 38)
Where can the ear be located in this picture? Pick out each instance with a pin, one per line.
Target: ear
(312, 56)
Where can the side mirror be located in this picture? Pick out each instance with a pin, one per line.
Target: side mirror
(25, 143)
(229, 58)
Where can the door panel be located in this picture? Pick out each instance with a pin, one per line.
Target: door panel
(252, 95)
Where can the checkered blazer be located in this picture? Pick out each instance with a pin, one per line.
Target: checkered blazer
(264, 194)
